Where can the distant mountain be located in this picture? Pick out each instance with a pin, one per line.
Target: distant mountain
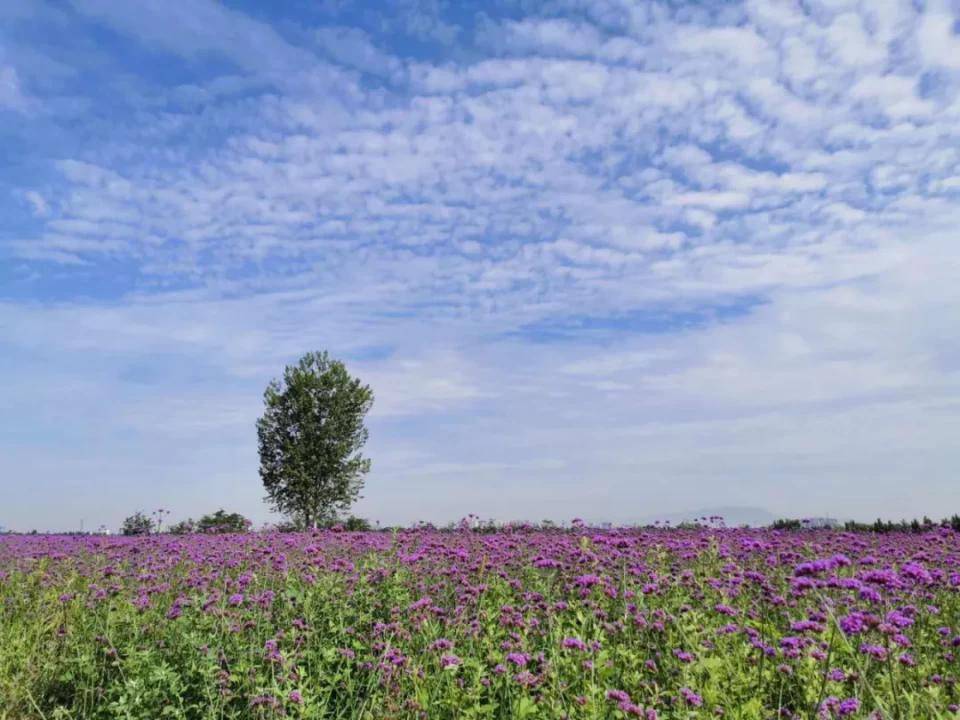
(733, 516)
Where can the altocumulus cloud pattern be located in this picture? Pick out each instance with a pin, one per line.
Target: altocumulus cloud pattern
(635, 257)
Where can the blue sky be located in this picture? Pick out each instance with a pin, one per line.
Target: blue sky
(604, 259)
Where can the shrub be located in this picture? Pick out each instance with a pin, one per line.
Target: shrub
(184, 527)
(137, 524)
(223, 522)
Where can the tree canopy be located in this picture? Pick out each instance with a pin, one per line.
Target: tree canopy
(223, 522)
(310, 437)
(219, 522)
(137, 524)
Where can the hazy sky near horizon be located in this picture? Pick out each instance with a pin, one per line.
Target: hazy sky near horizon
(603, 259)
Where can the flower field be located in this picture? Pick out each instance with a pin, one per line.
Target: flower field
(518, 623)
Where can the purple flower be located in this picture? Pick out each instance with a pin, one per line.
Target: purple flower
(907, 660)
(420, 604)
(629, 708)
(876, 651)
(916, 572)
(271, 651)
(518, 659)
(899, 619)
(848, 707)
(142, 602)
(526, 678)
(267, 700)
(854, 623)
(586, 581)
(791, 643)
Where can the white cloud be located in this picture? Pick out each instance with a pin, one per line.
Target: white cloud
(548, 36)
(199, 26)
(800, 61)
(696, 253)
(712, 200)
(38, 205)
(439, 382)
(741, 46)
(894, 95)
(353, 48)
(11, 96)
(851, 43)
(938, 44)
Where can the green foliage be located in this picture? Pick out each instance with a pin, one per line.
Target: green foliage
(286, 526)
(219, 522)
(310, 437)
(786, 524)
(223, 522)
(137, 524)
(878, 526)
(355, 524)
(94, 635)
(184, 527)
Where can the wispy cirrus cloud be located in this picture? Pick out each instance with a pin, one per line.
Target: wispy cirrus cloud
(11, 96)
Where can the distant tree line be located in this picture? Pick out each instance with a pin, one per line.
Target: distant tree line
(878, 526)
(218, 522)
(221, 521)
(224, 522)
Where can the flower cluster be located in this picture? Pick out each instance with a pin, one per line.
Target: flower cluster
(523, 622)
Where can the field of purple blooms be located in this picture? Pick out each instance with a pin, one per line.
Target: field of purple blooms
(518, 623)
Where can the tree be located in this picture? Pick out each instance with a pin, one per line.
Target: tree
(310, 437)
(223, 522)
(356, 524)
(184, 527)
(137, 524)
